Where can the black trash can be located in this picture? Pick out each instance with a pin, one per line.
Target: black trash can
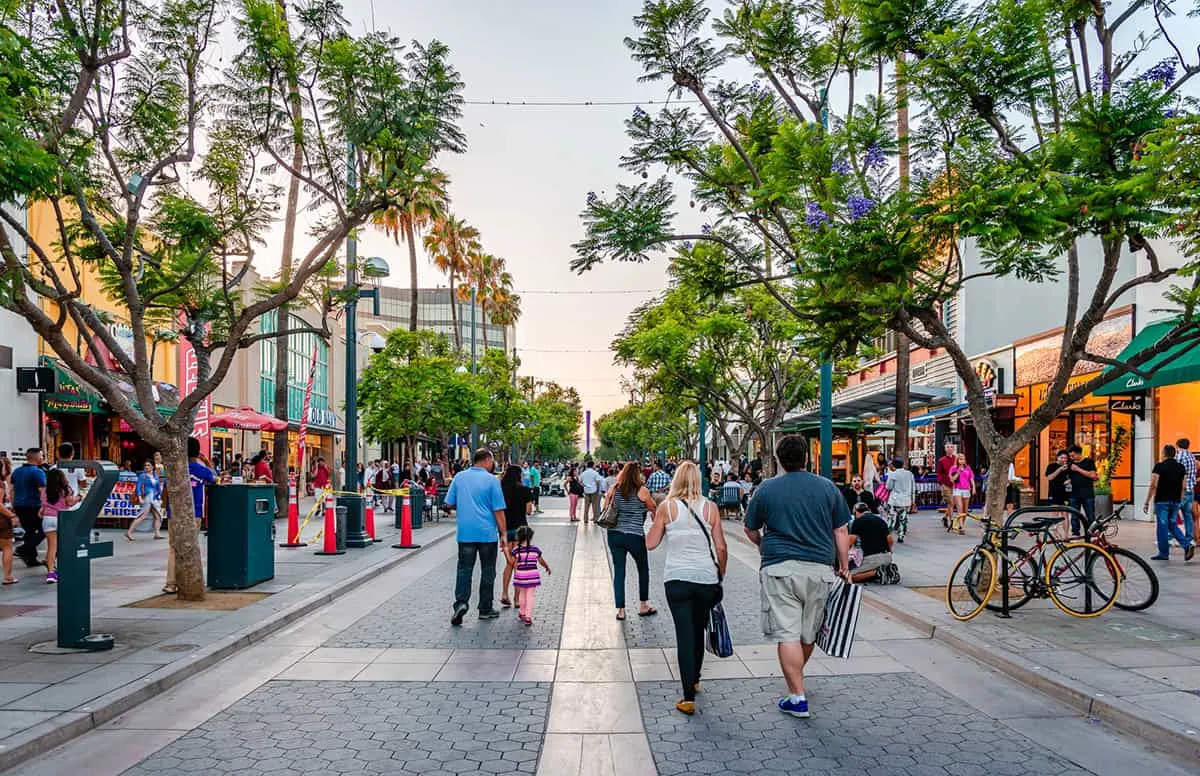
(339, 516)
(241, 535)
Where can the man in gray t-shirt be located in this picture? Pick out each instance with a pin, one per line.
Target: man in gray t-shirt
(799, 522)
(902, 494)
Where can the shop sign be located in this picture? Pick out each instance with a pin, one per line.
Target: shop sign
(325, 418)
(69, 396)
(189, 378)
(1037, 361)
(36, 379)
(1129, 405)
(1042, 392)
(120, 501)
(123, 335)
(990, 377)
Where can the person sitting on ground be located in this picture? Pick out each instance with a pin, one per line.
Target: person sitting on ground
(875, 539)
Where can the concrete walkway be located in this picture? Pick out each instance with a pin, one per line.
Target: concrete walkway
(379, 682)
(46, 699)
(1137, 670)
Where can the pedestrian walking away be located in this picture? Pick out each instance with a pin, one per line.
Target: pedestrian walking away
(1187, 504)
(799, 523)
(574, 493)
(695, 565)
(58, 498)
(518, 505)
(591, 481)
(627, 538)
(658, 482)
(28, 486)
(477, 500)
(1166, 490)
(901, 495)
(535, 485)
(527, 580)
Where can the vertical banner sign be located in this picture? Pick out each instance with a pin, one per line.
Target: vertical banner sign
(312, 371)
(189, 378)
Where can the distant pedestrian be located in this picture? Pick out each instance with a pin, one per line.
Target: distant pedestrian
(799, 522)
(574, 493)
(28, 485)
(535, 485)
(902, 494)
(627, 538)
(1166, 490)
(149, 493)
(695, 566)
(57, 498)
(592, 482)
(321, 474)
(476, 498)
(944, 465)
(8, 519)
(382, 483)
(658, 482)
(1083, 488)
(1187, 504)
(963, 478)
(527, 580)
(518, 505)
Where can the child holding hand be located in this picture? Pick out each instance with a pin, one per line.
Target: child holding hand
(526, 577)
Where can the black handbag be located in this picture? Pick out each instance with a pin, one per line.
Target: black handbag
(716, 630)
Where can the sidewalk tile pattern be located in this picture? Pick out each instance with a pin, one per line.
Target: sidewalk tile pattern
(895, 724)
(419, 615)
(370, 728)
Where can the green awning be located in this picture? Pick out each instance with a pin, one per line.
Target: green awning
(840, 425)
(73, 396)
(1180, 364)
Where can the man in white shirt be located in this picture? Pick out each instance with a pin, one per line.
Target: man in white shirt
(902, 491)
(76, 478)
(592, 482)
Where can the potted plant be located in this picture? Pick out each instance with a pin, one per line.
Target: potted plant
(1104, 501)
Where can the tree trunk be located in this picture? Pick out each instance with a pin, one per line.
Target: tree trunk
(902, 372)
(454, 314)
(997, 482)
(411, 237)
(280, 450)
(483, 317)
(185, 525)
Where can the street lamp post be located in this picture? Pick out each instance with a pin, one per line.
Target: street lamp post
(474, 370)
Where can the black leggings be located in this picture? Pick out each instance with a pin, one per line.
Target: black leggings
(690, 604)
(621, 544)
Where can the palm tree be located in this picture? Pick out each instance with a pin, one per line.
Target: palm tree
(506, 306)
(483, 274)
(423, 200)
(449, 242)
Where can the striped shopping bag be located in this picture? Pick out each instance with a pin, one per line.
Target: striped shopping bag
(841, 619)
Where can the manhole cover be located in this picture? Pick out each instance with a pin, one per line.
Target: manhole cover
(178, 647)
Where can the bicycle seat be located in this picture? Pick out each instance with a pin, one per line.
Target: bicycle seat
(1040, 523)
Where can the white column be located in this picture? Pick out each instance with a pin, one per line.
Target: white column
(1144, 456)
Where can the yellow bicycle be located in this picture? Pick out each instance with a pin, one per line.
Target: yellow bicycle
(1072, 578)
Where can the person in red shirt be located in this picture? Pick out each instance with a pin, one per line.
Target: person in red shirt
(320, 478)
(262, 467)
(944, 464)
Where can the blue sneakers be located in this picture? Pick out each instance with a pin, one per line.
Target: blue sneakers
(794, 708)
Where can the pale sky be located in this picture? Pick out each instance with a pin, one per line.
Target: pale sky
(525, 176)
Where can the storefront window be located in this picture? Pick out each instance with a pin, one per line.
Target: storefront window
(300, 352)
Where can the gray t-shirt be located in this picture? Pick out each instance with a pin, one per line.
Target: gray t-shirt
(798, 513)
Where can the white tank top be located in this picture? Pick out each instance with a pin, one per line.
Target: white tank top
(688, 556)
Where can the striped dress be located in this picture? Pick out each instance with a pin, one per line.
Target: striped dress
(527, 573)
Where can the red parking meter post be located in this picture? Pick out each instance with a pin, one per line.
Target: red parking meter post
(406, 542)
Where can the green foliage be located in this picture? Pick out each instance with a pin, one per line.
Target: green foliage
(639, 430)
(414, 387)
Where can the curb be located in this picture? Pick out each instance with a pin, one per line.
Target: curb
(67, 725)
(1159, 733)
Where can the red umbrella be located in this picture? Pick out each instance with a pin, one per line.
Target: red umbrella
(246, 419)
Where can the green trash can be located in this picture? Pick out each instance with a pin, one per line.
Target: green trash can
(418, 505)
(241, 535)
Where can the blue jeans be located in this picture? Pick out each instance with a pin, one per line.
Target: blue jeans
(621, 544)
(1164, 514)
(1185, 506)
(1088, 507)
(487, 552)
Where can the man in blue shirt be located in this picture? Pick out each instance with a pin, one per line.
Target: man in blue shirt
(799, 522)
(29, 483)
(476, 498)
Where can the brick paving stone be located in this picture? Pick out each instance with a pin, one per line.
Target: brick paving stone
(419, 615)
(913, 729)
(394, 749)
(743, 607)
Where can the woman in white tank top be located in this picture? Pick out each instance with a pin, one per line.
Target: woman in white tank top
(695, 564)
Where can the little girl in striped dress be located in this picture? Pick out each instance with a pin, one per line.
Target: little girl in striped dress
(527, 578)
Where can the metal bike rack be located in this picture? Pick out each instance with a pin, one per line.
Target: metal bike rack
(1003, 560)
(75, 554)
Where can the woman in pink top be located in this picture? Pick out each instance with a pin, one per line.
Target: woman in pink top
(962, 479)
(56, 498)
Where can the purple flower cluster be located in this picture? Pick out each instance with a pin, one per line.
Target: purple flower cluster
(859, 206)
(592, 198)
(815, 217)
(1170, 113)
(875, 159)
(842, 167)
(706, 229)
(1162, 73)
(639, 114)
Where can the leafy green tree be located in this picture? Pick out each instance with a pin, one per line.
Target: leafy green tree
(552, 431)
(154, 157)
(449, 242)
(643, 429)
(1048, 136)
(736, 355)
(414, 386)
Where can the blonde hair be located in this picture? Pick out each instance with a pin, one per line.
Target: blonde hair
(686, 482)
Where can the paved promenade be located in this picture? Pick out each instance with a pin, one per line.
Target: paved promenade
(379, 682)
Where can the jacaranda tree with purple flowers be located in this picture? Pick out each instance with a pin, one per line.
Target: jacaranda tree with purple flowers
(1046, 135)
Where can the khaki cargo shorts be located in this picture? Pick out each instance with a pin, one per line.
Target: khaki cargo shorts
(793, 600)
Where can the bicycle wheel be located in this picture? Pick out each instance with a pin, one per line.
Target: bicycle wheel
(972, 583)
(1080, 586)
(1024, 574)
(1139, 583)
